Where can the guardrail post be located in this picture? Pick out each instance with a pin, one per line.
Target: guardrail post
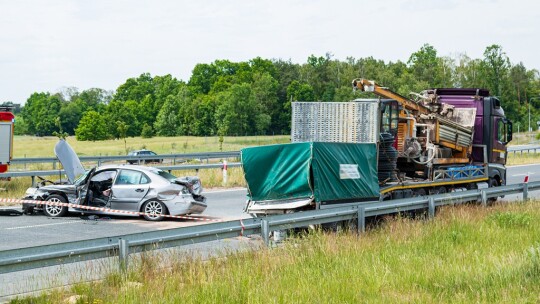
(224, 169)
(525, 192)
(264, 232)
(431, 207)
(361, 217)
(54, 165)
(123, 253)
(483, 197)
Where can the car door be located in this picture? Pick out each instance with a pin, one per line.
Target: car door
(82, 187)
(129, 189)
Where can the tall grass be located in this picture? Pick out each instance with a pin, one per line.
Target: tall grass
(523, 159)
(467, 254)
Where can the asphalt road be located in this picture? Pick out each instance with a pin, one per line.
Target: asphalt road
(27, 231)
(516, 175)
(35, 230)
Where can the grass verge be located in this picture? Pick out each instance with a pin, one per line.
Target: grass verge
(467, 254)
(32, 146)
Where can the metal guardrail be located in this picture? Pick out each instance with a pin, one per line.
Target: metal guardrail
(121, 246)
(522, 148)
(60, 173)
(138, 158)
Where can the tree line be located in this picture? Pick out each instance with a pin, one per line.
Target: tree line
(254, 97)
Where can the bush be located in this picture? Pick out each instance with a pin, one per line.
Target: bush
(147, 131)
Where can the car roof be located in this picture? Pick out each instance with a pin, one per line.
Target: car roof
(143, 150)
(126, 166)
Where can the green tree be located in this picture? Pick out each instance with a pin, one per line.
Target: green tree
(264, 90)
(92, 126)
(204, 109)
(135, 88)
(237, 111)
(40, 113)
(495, 67)
(70, 115)
(125, 112)
(167, 118)
(424, 65)
(20, 126)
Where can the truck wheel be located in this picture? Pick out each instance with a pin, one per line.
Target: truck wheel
(55, 211)
(492, 183)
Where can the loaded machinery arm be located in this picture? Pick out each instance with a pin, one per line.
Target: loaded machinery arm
(415, 115)
(407, 104)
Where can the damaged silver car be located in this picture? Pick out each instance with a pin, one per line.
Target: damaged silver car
(152, 191)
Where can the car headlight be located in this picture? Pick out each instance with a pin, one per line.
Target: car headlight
(30, 191)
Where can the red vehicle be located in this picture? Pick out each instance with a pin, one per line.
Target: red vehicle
(6, 137)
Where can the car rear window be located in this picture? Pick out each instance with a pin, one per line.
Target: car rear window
(165, 175)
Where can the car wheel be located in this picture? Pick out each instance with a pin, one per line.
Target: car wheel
(55, 211)
(154, 210)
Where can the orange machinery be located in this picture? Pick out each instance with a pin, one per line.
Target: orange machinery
(421, 113)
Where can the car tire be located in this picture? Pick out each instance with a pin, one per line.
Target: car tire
(55, 211)
(154, 210)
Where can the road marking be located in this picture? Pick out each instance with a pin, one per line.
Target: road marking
(42, 225)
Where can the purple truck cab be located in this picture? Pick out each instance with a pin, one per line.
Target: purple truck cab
(491, 129)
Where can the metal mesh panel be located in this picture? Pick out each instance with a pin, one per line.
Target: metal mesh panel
(354, 122)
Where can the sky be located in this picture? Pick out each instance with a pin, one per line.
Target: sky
(47, 46)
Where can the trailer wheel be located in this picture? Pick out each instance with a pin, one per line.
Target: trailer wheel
(437, 190)
(419, 192)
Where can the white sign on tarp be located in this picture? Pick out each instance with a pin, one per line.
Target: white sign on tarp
(348, 171)
(5, 142)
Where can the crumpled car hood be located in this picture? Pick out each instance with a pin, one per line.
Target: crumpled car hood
(69, 159)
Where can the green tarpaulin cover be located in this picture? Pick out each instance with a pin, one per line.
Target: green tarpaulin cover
(325, 171)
